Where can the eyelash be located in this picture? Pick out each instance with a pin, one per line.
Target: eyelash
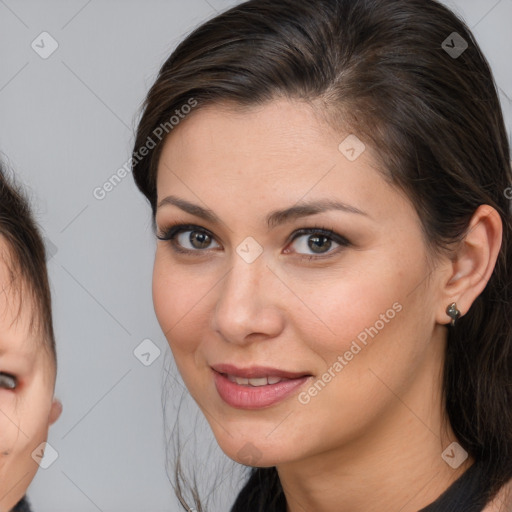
(171, 232)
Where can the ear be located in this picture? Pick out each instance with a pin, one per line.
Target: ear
(55, 411)
(472, 264)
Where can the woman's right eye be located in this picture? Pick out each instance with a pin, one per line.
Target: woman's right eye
(8, 381)
(189, 239)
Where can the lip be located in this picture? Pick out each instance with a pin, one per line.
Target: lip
(257, 371)
(255, 397)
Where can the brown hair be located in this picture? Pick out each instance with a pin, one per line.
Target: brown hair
(26, 260)
(383, 70)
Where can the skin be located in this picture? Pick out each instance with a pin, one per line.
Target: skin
(372, 438)
(27, 411)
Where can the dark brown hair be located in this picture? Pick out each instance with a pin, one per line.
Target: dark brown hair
(25, 258)
(381, 69)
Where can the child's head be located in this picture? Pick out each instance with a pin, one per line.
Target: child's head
(27, 346)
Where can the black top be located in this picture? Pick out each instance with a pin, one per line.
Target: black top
(467, 493)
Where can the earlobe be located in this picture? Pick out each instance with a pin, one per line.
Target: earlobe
(473, 262)
(55, 411)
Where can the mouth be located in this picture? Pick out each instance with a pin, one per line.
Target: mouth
(255, 387)
(254, 382)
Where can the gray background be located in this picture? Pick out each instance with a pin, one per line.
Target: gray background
(66, 126)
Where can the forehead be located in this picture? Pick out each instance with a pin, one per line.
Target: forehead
(16, 308)
(277, 134)
(266, 156)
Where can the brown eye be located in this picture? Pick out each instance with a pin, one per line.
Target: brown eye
(202, 240)
(316, 243)
(318, 240)
(189, 239)
(7, 381)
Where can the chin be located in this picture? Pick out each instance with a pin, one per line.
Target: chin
(254, 450)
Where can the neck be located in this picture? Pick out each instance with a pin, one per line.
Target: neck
(394, 465)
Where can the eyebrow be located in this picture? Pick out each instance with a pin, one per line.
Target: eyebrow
(273, 218)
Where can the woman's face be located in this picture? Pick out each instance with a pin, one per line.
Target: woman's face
(27, 407)
(350, 317)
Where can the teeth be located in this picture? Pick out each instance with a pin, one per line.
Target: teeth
(260, 381)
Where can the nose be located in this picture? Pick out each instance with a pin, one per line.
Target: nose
(248, 307)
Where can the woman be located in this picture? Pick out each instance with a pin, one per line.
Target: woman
(327, 181)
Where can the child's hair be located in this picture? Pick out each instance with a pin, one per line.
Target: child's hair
(394, 72)
(25, 259)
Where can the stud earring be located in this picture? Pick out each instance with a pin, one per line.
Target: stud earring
(453, 312)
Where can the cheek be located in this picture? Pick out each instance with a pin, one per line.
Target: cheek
(376, 330)
(357, 302)
(374, 325)
(25, 418)
(177, 301)
(23, 427)
(178, 305)
(8, 428)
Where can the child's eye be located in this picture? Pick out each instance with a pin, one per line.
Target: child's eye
(8, 381)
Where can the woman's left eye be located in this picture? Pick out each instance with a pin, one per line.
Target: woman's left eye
(8, 381)
(318, 240)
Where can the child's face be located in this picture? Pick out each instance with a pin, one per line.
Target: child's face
(29, 409)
